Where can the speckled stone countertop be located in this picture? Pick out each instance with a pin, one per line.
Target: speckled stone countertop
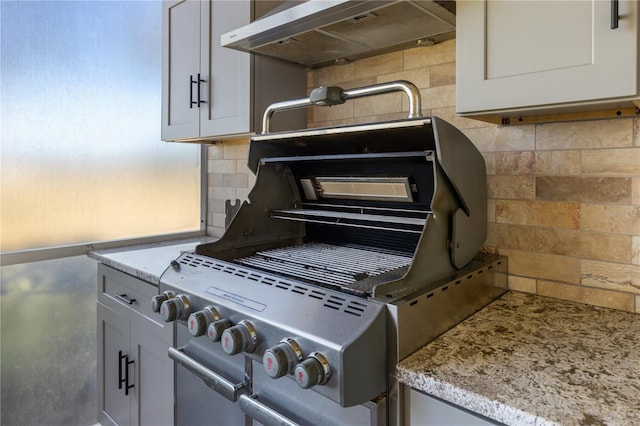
(531, 360)
(146, 261)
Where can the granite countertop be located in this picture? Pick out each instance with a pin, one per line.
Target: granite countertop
(147, 261)
(526, 359)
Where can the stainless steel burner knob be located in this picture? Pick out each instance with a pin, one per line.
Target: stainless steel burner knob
(216, 329)
(199, 321)
(177, 308)
(281, 359)
(157, 301)
(242, 337)
(312, 371)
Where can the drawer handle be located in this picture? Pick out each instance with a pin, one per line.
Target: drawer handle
(123, 298)
(615, 15)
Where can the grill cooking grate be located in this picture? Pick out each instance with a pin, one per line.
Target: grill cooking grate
(325, 263)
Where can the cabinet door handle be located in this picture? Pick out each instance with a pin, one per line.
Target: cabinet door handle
(191, 83)
(120, 379)
(124, 380)
(614, 14)
(199, 100)
(123, 298)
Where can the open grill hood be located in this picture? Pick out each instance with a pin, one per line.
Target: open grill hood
(322, 32)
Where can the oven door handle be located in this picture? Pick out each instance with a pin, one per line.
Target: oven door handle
(251, 407)
(218, 383)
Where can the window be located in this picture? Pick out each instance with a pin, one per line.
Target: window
(82, 159)
(81, 162)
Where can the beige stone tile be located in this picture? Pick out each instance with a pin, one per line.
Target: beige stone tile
(373, 105)
(584, 189)
(311, 79)
(507, 236)
(636, 131)
(443, 75)
(637, 304)
(610, 218)
(222, 166)
(427, 56)
(511, 187)
(588, 245)
(419, 77)
(515, 163)
(584, 134)
(235, 180)
(214, 179)
(234, 150)
(557, 162)
(491, 210)
(449, 115)
(515, 138)
(527, 285)
(378, 65)
(591, 296)
(336, 112)
(333, 75)
(217, 205)
(217, 220)
(635, 250)
(484, 138)
(489, 162)
(242, 193)
(538, 213)
(437, 97)
(611, 162)
(543, 266)
(215, 152)
(611, 276)
(215, 231)
(635, 190)
(222, 193)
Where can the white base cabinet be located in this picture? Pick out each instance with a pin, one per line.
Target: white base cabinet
(210, 92)
(556, 56)
(135, 375)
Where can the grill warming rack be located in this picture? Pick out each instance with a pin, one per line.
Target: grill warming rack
(400, 220)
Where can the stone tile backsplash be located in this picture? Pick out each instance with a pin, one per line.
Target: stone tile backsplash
(564, 198)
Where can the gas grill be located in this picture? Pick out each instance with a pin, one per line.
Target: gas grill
(356, 246)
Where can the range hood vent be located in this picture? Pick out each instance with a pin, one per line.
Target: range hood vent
(322, 32)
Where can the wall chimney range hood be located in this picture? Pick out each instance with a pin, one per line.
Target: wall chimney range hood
(323, 32)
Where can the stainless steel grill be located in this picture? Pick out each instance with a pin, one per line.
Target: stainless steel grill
(356, 246)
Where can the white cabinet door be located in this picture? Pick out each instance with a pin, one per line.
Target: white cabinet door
(227, 72)
(113, 345)
(154, 404)
(522, 54)
(181, 65)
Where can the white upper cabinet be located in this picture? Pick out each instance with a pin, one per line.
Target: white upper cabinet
(546, 56)
(208, 91)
